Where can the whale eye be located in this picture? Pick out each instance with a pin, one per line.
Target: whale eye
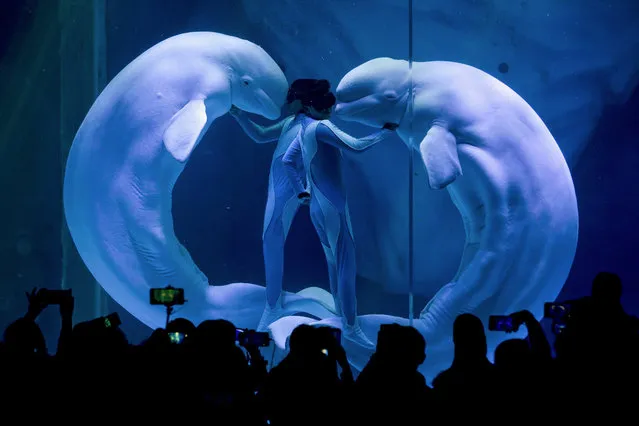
(246, 81)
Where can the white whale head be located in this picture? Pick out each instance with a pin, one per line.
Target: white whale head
(374, 93)
(258, 85)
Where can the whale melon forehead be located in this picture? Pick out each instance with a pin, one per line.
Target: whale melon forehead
(253, 61)
(370, 77)
(274, 83)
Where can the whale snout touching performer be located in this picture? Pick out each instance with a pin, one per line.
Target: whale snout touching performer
(317, 151)
(282, 202)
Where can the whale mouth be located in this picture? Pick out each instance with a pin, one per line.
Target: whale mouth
(355, 108)
(270, 109)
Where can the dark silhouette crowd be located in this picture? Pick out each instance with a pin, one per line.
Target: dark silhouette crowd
(216, 374)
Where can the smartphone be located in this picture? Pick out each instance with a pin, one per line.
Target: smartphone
(109, 321)
(112, 320)
(167, 296)
(53, 297)
(176, 337)
(252, 338)
(501, 323)
(556, 311)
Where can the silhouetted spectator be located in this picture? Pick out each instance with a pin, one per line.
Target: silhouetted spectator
(470, 380)
(305, 387)
(220, 373)
(390, 383)
(524, 365)
(597, 351)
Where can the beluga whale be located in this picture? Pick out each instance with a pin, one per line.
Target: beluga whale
(504, 172)
(128, 153)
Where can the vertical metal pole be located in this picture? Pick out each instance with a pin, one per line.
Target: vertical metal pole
(99, 82)
(411, 273)
(64, 151)
(82, 77)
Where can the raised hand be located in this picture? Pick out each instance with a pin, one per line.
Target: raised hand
(520, 318)
(36, 303)
(66, 307)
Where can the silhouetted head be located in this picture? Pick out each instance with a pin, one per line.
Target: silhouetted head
(215, 333)
(92, 338)
(157, 341)
(416, 347)
(303, 340)
(401, 345)
(258, 85)
(181, 325)
(374, 93)
(607, 288)
(24, 337)
(512, 354)
(311, 96)
(469, 337)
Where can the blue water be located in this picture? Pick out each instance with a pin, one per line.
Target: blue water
(219, 199)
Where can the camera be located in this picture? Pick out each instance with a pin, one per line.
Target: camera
(109, 321)
(112, 320)
(557, 311)
(176, 337)
(246, 337)
(54, 297)
(502, 323)
(167, 296)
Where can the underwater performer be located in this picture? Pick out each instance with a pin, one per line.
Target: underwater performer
(317, 151)
(282, 202)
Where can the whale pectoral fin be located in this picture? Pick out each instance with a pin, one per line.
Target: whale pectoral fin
(185, 130)
(439, 153)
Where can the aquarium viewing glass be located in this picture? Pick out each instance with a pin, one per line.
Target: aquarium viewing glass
(506, 135)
